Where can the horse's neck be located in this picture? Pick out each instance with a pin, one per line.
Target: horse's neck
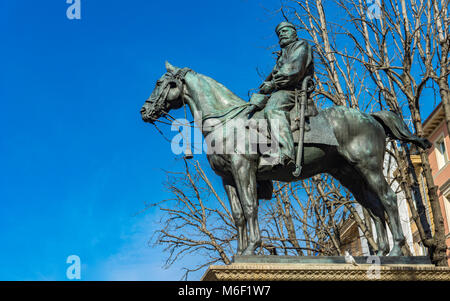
(206, 97)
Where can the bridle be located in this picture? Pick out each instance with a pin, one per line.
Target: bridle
(170, 79)
(176, 78)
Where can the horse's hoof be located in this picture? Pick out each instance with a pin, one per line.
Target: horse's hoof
(381, 253)
(248, 252)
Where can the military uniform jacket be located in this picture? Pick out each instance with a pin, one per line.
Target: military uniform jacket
(295, 62)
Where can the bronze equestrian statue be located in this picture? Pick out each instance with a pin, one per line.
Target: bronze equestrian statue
(344, 142)
(293, 66)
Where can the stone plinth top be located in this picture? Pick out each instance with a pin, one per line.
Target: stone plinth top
(283, 268)
(331, 259)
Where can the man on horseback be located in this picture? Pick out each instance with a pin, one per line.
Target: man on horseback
(294, 64)
(355, 158)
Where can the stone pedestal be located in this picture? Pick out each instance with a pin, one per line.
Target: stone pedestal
(292, 268)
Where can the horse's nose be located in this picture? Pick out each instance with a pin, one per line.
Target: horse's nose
(142, 110)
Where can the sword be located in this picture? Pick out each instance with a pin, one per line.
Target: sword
(301, 124)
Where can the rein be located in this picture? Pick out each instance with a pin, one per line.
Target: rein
(226, 112)
(177, 78)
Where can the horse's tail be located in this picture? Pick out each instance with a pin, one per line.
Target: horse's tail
(395, 128)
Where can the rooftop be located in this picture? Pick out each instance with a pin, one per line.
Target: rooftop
(434, 120)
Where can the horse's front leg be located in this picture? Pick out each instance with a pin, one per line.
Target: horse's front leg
(238, 215)
(244, 173)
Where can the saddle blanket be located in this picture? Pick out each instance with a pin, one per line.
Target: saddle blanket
(320, 131)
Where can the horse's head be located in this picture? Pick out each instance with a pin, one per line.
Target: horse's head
(166, 95)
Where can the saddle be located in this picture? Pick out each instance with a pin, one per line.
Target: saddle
(320, 130)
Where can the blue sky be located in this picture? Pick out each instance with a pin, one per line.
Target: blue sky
(77, 162)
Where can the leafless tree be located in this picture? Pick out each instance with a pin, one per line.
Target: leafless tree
(195, 221)
(306, 218)
(302, 219)
(368, 58)
(381, 55)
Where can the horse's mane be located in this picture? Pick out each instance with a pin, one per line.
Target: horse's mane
(227, 105)
(221, 90)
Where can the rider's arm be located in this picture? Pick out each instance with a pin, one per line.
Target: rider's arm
(267, 86)
(259, 100)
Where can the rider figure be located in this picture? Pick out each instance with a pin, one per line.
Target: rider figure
(294, 63)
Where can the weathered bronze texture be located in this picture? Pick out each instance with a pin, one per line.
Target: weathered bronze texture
(344, 142)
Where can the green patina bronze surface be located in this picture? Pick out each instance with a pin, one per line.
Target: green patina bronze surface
(343, 142)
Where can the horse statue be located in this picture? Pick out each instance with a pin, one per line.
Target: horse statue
(356, 160)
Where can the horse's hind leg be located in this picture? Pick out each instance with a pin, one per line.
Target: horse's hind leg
(378, 185)
(238, 215)
(376, 212)
(350, 178)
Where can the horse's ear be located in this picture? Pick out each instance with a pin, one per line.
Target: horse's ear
(170, 67)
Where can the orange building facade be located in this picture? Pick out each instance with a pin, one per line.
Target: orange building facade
(435, 130)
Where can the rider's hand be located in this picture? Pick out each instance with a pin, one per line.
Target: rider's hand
(267, 87)
(251, 109)
(281, 80)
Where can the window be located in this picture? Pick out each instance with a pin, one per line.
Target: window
(441, 153)
(447, 208)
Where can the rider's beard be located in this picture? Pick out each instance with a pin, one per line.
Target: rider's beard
(286, 41)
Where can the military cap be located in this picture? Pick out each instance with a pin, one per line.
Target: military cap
(284, 24)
